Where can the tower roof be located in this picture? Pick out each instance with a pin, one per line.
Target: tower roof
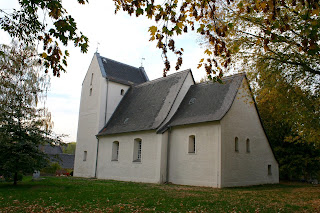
(120, 72)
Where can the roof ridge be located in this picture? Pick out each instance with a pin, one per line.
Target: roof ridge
(120, 62)
(163, 78)
(223, 79)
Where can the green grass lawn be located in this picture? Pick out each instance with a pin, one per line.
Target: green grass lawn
(68, 194)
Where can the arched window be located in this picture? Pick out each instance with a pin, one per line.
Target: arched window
(137, 150)
(192, 144)
(122, 92)
(90, 93)
(115, 151)
(236, 144)
(248, 145)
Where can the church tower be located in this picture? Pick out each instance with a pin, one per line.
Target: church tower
(103, 87)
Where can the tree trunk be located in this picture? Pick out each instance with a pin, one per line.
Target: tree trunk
(15, 178)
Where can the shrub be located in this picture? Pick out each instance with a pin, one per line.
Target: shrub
(51, 169)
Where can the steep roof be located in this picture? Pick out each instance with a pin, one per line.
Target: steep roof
(145, 106)
(50, 150)
(121, 73)
(207, 101)
(66, 161)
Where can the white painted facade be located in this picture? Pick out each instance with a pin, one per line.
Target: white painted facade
(241, 168)
(125, 169)
(200, 168)
(165, 156)
(99, 99)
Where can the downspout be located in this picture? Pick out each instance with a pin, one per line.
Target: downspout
(168, 155)
(95, 172)
(106, 113)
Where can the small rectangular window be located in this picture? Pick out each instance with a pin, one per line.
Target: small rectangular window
(236, 144)
(192, 144)
(248, 145)
(91, 79)
(269, 170)
(90, 93)
(85, 156)
(115, 151)
(137, 150)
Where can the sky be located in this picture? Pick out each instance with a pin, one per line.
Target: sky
(119, 37)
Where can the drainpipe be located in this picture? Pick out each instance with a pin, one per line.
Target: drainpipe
(95, 172)
(106, 112)
(168, 155)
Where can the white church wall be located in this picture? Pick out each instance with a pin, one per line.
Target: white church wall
(88, 124)
(245, 167)
(125, 169)
(163, 162)
(202, 167)
(114, 97)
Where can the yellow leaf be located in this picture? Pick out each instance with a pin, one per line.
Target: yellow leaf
(180, 25)
(153, 30)
(44, 55)
(152, 38)
(208, 52)
(202, 59)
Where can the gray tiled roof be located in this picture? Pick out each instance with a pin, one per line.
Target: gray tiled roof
(207, 101)
(66, 161)
(51, 150)
(145, 106)
(122, 73)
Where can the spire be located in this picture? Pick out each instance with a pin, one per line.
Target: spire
(97, 47)
(142, 61)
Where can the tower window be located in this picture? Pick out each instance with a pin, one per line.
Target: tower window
(236, 144)
(192, 144)
(122, 92)
(91, 79)
(90, 93)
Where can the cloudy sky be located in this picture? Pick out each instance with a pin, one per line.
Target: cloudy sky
(120, 37)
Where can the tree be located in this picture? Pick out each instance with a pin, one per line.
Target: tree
(286, 31)
(23, 124)
(69, 148)
(290, 115)
(26, 25)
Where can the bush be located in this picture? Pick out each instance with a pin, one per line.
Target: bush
(51, 169)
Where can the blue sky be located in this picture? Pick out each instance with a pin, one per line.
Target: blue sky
(121, 38)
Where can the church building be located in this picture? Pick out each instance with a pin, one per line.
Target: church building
(170, 130)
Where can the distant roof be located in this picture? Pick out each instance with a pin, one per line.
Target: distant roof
(145, 106)
(51, 150)
(66, 161)
(207, 101)
(121, 73)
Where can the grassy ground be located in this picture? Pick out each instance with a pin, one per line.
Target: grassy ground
(67, 194)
